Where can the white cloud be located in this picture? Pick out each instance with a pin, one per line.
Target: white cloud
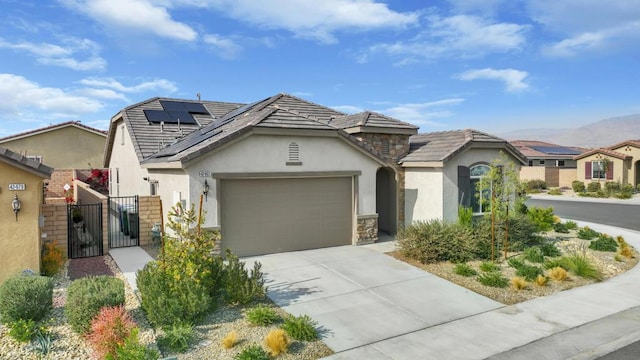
(141, 15)
(226, 48)
(459, 35)
(348, 109)
(62, 55)
(423, 114)
(110, 83)
(25, 99)
(514, 80)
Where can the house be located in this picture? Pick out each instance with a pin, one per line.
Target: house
(21, 189)
(619, 162)
(65, 146)
(282, 173)
(442, 169)
(549, 162)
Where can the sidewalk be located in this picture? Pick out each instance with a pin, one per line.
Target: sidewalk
(130, 260)
(635, 200)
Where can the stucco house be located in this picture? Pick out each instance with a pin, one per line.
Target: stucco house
(21, 179)
(279, 174)
(552, 163)
(619, 162)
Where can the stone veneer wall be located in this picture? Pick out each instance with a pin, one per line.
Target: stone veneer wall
(367, 229)
(398, 148)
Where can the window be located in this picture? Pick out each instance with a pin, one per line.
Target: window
(530, 162)
(560, 163)
(122, 135)
(541, 162)
(294, 154)
(598, 170)
(153, 187)
(480, 201)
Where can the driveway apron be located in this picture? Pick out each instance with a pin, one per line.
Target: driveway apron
(360, 296)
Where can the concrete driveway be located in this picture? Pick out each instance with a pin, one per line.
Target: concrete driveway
(360, 296)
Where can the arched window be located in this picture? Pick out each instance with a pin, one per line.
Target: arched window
(480, 200)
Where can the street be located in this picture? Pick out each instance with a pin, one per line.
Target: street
(621, 215)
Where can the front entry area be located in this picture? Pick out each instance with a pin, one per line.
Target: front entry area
(386, 207)
(264, 216)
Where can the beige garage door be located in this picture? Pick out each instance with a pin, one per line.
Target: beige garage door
(263, 216)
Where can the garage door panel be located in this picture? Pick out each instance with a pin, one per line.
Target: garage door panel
(262, 216)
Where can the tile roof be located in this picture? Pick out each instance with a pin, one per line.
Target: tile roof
(442, 146)
(604, 151)
(532, 149)
(25, 163)
(635, 143)
(77, 124)
(371, 119)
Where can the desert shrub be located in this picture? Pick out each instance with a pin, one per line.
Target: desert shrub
(242, 287)
(619, 258)
(611, 187)
(541, 280)
(582, 266)
(262, 315)
(594, 187)
(550, 249)
(534, 254)
(571, 225)
(542, 218)
(23, 330)
(177, 338)
(518, 283)
(554, 191)
(435, 240)
(465, 216)
(529, 272)
(625, 192)
(86, 296)
(489, 266)
(626, 252)
(515, 262)
(43, 341)
(560, 228)
(132, 349)
(493, 279)
(25, 297)
(169, 299)
(604, 243)
(551, 263)
(586, 233)
(52, 260)
(464, 270)
(535, 184)
(230, 340)
(276, 341)
(578, 186)
(300, 327)
(253, 352)
(557, 273)
(108, 329)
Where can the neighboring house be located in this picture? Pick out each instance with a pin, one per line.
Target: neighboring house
(442, 169)
(65, 146)
(619, 162)
(20, 232)
(280, 174)
(549, 162)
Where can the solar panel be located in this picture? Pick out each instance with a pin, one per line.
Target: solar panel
(195, 108)
(157, 116)
(556, 150)
(169, 117)
(181, 116)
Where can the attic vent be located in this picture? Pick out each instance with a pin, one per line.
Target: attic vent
(385, 146)
(294, 154)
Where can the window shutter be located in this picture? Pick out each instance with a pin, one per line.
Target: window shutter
(464, 186)
(587, 170)
(610, 170)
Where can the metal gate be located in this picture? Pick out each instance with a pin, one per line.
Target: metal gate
(124, 221)
(84, 229)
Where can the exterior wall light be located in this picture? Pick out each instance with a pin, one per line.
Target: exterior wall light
(16, 204)
(205, 189)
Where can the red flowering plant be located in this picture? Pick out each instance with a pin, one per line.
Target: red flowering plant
(99, 180)
(68, 194)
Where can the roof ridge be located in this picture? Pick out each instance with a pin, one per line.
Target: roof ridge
(53, 127)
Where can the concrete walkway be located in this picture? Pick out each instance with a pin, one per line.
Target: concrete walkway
(130, 260)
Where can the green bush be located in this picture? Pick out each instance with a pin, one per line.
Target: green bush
(465, 216)
(522, 234)
(554, 191)
(177, 338)
(534, 254)
(242, 287)
(516, 262)
(24, 330)
(435, 240)
(86, 296)
(578, 186)
(488, 266)
(464, 270)
(586, 233)
(253, 352)
(550, 249)
(604, 243)
(625, 192)
(262, 315)
(560, 228)
(581, 266)
(594, 186)
(536, 184)
(571, 225)
(25, 297)
(552, 263)
(168, 299)
(300, 328)
(131, 349)
(529, 272)
(611, 187)
(542, 218)
(493, 279)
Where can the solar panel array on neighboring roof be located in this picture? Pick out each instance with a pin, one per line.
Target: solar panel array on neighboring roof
(176, 111)
(194, 108)
(556, 150)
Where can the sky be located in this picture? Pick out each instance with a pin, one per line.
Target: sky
(491, 65)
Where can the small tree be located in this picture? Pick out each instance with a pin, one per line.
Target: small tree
(506, 191)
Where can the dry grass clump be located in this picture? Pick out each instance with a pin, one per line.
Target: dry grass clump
(230, 340)
(519, 283)
(276, 342)
(558, 274)
(542, 280)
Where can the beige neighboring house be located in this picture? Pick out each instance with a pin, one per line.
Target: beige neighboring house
(552, 163)
(20, 233)
(619, 162)
(65, 146)
(442, 169)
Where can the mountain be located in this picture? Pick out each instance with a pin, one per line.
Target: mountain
(601, 133)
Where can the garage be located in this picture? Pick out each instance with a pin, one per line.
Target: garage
(262, 216)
